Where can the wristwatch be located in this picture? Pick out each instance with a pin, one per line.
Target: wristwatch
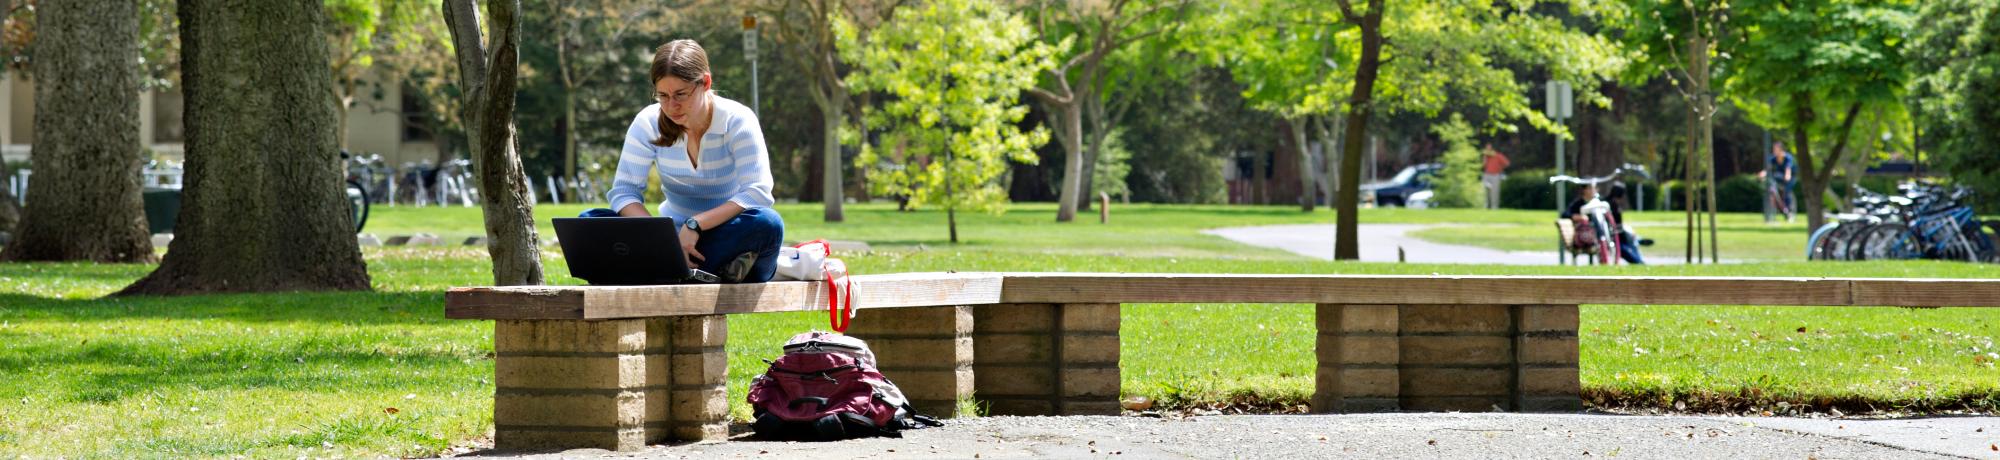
(692, 225)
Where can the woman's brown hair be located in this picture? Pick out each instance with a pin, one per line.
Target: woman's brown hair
(683, 59)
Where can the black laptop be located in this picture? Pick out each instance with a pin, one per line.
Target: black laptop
(626, 251)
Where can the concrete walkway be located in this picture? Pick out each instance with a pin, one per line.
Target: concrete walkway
(1380, 243)
(1445, 435)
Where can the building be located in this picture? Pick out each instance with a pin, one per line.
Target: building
(373, 125)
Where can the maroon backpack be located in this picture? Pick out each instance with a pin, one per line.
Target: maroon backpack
(826, 388)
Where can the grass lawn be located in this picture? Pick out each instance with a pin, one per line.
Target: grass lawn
(382, 373)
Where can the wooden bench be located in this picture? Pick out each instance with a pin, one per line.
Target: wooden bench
(618, 367)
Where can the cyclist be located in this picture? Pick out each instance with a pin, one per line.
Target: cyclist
(1778, 178)
(1628, 242)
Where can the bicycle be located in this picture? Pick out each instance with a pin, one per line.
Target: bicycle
(357, 193)
(1597, 215)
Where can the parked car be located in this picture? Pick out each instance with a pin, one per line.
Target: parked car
(1397, 190)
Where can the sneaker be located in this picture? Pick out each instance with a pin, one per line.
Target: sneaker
(739, 268)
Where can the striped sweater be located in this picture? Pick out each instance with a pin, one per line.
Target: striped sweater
(734, 166)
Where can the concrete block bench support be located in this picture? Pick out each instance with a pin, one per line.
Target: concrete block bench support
(1376, 358)
(1047, 359)
(926, 351)
(611, 384)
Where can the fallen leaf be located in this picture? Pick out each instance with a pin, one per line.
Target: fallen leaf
(1802, 329)
(390, 411)
(1434, 442)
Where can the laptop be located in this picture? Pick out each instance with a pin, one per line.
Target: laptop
(619, 251)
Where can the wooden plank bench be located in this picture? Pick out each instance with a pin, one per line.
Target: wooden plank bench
(618, 367)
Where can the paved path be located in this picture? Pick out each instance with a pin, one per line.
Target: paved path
(1379, 243)
(1382, 436)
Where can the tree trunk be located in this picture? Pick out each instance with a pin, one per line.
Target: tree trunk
(84, 203)
(1308, 188)
(1813, 178)
(490, 75)
(1072, 136)
(1345, 245)
(263, 207)
(830, 161)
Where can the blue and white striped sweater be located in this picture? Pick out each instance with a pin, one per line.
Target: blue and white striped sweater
(735, 165)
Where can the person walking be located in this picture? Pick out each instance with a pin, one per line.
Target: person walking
(1496, 164)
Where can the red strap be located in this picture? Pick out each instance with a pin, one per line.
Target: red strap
(837, 317)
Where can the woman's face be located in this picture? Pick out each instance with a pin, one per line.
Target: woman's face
(678, 97)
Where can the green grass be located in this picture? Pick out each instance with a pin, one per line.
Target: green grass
(287, 375)
(1742, 237)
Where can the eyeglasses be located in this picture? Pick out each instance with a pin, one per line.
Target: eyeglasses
(679, 97)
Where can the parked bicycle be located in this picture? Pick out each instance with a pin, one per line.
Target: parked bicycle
(1923, 222)
(357, 192)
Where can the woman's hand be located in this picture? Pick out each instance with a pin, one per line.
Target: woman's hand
(688, 239)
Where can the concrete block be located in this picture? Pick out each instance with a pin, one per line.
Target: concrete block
(1096, 317)
(1090, 383)
(1466, 350)
(699, 368)
(931, 353)
(1548, 350)
(1380, 319)
(1455, 382)
(933, 384)
(1090, 349)
(569, 336)
(1012, 349)
(1467, 319)
(1013, 381)
(1358, 349)
(582, 372)
(1556, 381)
(512, 439)
(1013, 318)
(1548, 318)
(690, 332)
(585, 410)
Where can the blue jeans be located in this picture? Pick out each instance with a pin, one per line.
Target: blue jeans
(1628, 247)
(755, 230)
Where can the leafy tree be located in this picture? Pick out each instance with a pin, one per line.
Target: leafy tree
(1418, 57)
(588, 37)
(262, 209)
(84, 203)
(1087, 33)
(490, 76)
(1112, 167)
(950, 121)
(1822, 62)
(1655, 30)
(1457, 185)
(806, 35)
(361, 31)
(1956, 57)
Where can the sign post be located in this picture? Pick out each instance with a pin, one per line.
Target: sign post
(750, 53)
(1558, 108)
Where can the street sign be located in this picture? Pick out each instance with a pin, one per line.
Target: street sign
(1559, 101)
(750, 37)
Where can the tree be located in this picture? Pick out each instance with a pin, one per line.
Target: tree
(1421, 55)
(806, 32)
(489, 77)
(1285, 52)
(1956, 93)
(951, 122)
(1651, 29)
(84, 202)
(588, 35)
(1088, 32)
(262, 208)
(362, 31)
(1822, 62)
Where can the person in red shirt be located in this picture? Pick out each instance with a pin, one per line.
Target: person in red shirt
(1496, 163)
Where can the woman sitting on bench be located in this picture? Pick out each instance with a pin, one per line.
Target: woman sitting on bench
(713, 166)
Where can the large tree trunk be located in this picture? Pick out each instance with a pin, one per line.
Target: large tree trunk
(1308, 188)
(1812, 177)
(263, 207)
(84, 201)
(1345, 244)
(830, 161)
(491, 79)
(1071, 135)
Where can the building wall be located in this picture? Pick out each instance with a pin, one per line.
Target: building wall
(374, 126)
